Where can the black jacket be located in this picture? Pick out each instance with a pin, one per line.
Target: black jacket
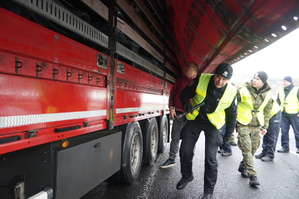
(211, 101)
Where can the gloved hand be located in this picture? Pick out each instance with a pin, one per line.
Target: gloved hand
(188, 108)
(226, 137)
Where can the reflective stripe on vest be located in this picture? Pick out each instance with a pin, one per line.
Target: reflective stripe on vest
(246, 110)
(201, 92)
(217, 118)
(289, 103)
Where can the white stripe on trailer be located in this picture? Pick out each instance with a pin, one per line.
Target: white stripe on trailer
(45, 194)
(19, 120)
(139, 109)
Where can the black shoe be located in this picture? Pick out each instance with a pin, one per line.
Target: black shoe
(297, 150)
(253, 181)
(168, 163)
(242, 169)
(226, 153)
(266, 159)
(183, 183)
(208, 196)
(233, 143)
(259, 156)
(283, 150)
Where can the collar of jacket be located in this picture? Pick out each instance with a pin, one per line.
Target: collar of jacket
(265, 88)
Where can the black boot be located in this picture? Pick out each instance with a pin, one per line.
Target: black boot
(242, 169)
(183, 183)
(253, 181)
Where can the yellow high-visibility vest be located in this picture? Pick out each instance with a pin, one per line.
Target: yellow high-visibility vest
(275, 108)
(246, 110)
(289, 103)
(217, 118)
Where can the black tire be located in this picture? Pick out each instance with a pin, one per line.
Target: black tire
(131, 154)
(151, 142)
(163, 134)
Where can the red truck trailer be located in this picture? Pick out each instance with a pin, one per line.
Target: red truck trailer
(72, 115)
(84, 85)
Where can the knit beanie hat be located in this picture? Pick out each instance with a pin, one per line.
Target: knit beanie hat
(262, 75)
(288, 78)
(224, 70)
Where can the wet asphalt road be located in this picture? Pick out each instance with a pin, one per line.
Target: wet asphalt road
(279, 179)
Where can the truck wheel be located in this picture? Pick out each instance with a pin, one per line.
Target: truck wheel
(163, 134)
(131, 155)
(151, 142)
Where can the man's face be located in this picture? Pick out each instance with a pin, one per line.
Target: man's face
(285, 83)
(220, 81)
(257, 82)
(190, 71)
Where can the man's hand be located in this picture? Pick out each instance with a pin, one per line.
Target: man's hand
(263, 131)
(172, 113)
(188, 108)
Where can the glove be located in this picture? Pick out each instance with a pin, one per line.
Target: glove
(226, 137)
(188, 108)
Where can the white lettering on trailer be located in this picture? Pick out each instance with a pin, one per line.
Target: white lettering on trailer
(19, 120)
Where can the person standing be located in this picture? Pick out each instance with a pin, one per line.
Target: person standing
(254, 103)
(219, 109)
(176, 108)
(288, 98)
(271, 137)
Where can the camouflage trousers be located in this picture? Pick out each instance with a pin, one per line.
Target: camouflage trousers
(248, 142)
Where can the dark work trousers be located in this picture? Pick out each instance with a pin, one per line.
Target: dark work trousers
(286, 122)
(213, 140)
(270, 138)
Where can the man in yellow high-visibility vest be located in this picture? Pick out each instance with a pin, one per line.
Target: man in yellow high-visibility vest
(254, 102)
(219, 108)
(288, 98)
